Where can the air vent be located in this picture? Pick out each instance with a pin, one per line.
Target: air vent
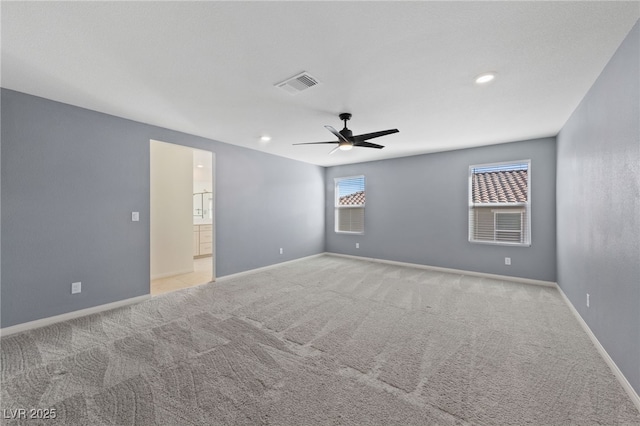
(298, 83)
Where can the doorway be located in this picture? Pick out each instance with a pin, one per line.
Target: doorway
(182, 222)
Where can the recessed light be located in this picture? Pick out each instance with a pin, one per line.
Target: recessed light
(265, 138)
(485, 78)
(199, 166)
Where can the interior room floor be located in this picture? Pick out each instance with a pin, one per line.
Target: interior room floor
(321, 341)
(202, 273)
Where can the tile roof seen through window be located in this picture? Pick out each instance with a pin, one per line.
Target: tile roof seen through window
(357, 198)
(500, 187)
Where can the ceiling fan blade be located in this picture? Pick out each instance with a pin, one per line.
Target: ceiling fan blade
(360, 138)
(313, 143)
(337, 133)
(368, 145)
(334, 149)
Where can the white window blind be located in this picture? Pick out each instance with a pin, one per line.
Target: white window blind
(349, 204)
(500, 203)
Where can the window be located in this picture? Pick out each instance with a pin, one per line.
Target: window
(349, 203)
(500, 203)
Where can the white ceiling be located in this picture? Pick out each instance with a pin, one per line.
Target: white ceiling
(209, 68)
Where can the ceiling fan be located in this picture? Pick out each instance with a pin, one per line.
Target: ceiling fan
(346, 140)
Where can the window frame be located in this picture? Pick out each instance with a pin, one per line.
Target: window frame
(500, 207)
(338, 207)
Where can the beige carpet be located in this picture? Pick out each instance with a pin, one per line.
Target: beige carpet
(324, 340)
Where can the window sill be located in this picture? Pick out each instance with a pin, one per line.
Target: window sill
(500, 243)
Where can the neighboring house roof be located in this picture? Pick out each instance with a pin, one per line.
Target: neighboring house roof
(500, 187)
(352, 199)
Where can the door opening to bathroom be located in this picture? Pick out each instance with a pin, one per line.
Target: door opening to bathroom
(182, 198)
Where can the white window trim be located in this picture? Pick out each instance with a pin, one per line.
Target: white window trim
(526, 205)
(338, 207)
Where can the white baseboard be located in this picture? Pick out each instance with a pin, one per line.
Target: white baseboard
(603, 353)
(264, 268)
(70, 315)
(451, 271)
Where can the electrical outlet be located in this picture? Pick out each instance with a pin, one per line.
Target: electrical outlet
(76, 287)
(507, 261)
(281, 251)
(357, 245)
(135, 216)
(587, 300)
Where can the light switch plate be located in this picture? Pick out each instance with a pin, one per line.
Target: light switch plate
(135, 216)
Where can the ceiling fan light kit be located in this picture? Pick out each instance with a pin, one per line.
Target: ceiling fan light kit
(344, 146)
(346, 139)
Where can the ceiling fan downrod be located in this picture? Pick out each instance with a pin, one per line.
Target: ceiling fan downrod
(345, 116)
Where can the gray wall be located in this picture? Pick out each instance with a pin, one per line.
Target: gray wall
(71, 178)
(417, 211)
(598, 208)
